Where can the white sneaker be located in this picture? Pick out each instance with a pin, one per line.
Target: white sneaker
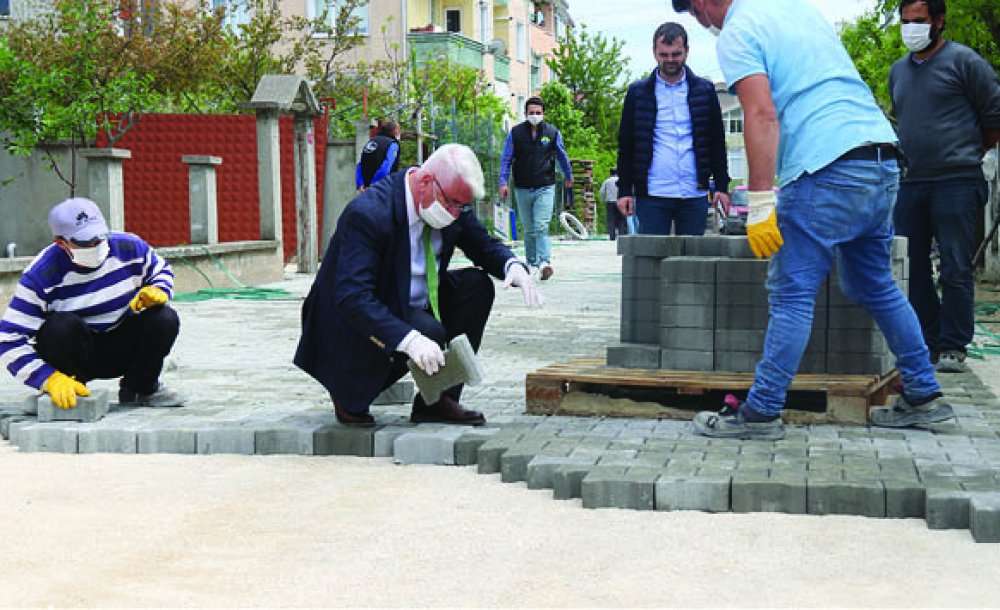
(951, 362)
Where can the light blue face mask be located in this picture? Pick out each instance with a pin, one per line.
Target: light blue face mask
(714, 31)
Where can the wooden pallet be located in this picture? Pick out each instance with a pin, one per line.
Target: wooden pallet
(589, 387)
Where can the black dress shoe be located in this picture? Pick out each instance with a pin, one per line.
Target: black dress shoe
(446, 411)
(358, 420)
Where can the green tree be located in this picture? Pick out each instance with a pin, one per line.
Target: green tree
(595, 72)
(873, 40)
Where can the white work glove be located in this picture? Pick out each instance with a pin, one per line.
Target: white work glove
(425, 353)
(762, 224)
(518, 276)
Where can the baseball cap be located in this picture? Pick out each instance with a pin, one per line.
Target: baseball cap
(682, 6)
(79, 219)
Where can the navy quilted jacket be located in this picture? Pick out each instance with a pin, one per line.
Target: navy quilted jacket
(635, 135)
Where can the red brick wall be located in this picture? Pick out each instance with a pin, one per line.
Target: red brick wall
(156, 180)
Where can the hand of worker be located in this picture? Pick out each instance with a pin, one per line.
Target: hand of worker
(425, 353)
(149, 296)
(504, 192)
(762, 224)
(569, 183)
(626, 205)
(722, 198)
(63, 390)
(519, 277)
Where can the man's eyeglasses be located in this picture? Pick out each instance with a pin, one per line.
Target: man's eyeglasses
(453, 206)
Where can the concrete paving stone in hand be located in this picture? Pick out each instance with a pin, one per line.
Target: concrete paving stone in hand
(88, 408)
(461, 367)
(620, 487)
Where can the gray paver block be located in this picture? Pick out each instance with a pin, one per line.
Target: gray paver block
(30, 405)
(687, 316)
(634, 355)
(400, 392)
(856, 340)
(284, 440)
(104, 439)
(542, 468)
(947, 509)
(167, 440)
(488, 456)
(336, 439)
(704, 245)
(514, 461)
(225, 439)
(742, 271)
(49, 437)
(617, 487)
(383, 439)
(754, 295)
(846, 498)
(88, 408)
(984, 517)
(467, 446)
(14, 427)
(739, 340)
(754, 493)
(460, 366)
(740, 317)
(689, 339)
(737, 362)
(710, 494)
(687, 360)
(737, 246)
(687, 294)
(431, 447)
(650, 245)
(689, 270)
(567, 480)
(904, 498)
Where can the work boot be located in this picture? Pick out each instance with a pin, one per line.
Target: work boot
(162, 397)
(732, 423)
(951, 361)
(903, 414)
(546, 271)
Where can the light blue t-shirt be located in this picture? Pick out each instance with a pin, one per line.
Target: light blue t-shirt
(824, 108)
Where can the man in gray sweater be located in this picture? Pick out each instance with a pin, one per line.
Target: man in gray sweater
(946, 100)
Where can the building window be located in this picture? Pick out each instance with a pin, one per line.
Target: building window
(522, 42)
(735, 125)
(236, 12)
(4, 8)
(453, 20)
(316, 8)
(737, 164)
(537, 15)
(536, 73)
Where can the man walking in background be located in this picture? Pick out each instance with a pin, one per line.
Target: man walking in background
(533, 147)
(946, 100)
(379, 157)
(615, 219)
(671, 142)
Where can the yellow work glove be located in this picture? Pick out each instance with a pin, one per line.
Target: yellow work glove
(149, 296)
(762, 224)
(64, 389)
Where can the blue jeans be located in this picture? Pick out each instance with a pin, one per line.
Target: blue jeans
(945, 211)
(534, 206)
(657, 214)
(843, 210)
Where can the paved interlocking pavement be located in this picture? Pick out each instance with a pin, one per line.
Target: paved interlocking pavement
(233, 360)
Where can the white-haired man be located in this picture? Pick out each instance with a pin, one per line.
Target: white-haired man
(384, 293)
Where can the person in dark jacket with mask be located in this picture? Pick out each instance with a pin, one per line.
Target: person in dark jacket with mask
(671, 142)
(379, 157)
(533, 147)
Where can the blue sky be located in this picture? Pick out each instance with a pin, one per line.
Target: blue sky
(634, 21)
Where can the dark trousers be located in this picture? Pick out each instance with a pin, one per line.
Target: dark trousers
(134, 350)
(657, 215)
(617, 224)
(946, 212)
(465, 299)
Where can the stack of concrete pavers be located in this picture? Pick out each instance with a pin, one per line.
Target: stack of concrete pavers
(701, 304)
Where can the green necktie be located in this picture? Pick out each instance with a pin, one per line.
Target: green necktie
(432, 272)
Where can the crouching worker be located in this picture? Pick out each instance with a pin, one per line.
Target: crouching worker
(92, 305)
(384, 293)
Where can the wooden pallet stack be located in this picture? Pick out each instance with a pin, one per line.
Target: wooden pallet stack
(583, 188)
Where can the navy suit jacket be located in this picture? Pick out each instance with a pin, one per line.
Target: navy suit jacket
(358, 307)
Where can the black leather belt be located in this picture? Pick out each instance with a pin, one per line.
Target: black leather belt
(871, 152)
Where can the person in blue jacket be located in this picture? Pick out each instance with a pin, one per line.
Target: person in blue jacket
(379, 157)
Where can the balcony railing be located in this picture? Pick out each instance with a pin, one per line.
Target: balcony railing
(438, 46)
(501, 68)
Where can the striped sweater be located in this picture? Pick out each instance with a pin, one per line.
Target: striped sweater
(100, 297)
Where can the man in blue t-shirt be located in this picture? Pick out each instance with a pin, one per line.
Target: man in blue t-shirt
(810, 118)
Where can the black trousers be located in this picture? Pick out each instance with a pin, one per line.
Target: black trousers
(465, 301)
(616, 221)
(134, 350)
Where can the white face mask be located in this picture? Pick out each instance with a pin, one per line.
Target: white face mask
(916, 36)
(435, 215)
(91, 258)
(535, 119)
(714, 31)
